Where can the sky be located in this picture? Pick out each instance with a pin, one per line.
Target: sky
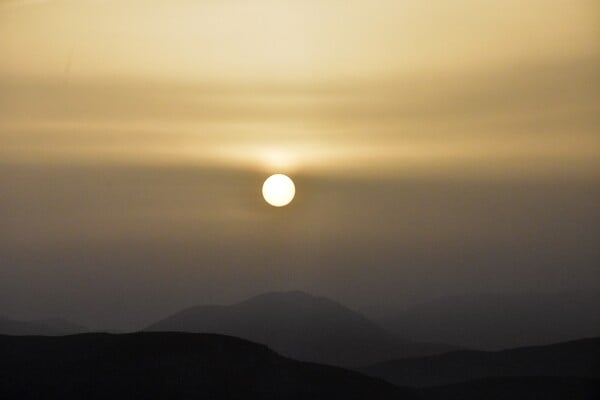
(437, 147)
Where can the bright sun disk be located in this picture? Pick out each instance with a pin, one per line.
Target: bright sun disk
(278, 190)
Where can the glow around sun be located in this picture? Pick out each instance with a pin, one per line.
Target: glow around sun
(279, 190)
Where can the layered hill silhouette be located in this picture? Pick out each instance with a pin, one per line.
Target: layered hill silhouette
(518, 388)
(300, 326)
(46, 327)
(501, 321)
(576, 359)
(152, 365)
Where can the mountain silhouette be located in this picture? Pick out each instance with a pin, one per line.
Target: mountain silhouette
(45, 327)
(580, 358)
(518, 388)
(501, 321)
(156, 365)
(300, 326)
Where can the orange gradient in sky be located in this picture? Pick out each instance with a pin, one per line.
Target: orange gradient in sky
(384, 87)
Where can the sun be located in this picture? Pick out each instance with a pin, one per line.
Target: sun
(279, 190)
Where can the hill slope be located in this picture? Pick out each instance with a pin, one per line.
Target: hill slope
(300, 326)
(580, 358)
(501, 321)
(170, 366)
(518, 388)
(47, 327)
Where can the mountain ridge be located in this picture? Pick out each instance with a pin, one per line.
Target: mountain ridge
(496, 321)
(578, 358)
(159, 365)
(44, 327)
(301, 326)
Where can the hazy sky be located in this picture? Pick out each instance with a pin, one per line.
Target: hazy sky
(438, 147)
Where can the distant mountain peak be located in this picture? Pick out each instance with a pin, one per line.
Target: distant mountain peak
(299, 325)
(290, 294)
(292, 297)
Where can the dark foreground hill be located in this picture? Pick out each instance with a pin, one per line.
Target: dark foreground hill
(580, 358)
(301, 326)
(170, 366)
(46, 327)
(518, 388)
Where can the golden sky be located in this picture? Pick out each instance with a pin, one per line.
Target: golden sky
(501, 87)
